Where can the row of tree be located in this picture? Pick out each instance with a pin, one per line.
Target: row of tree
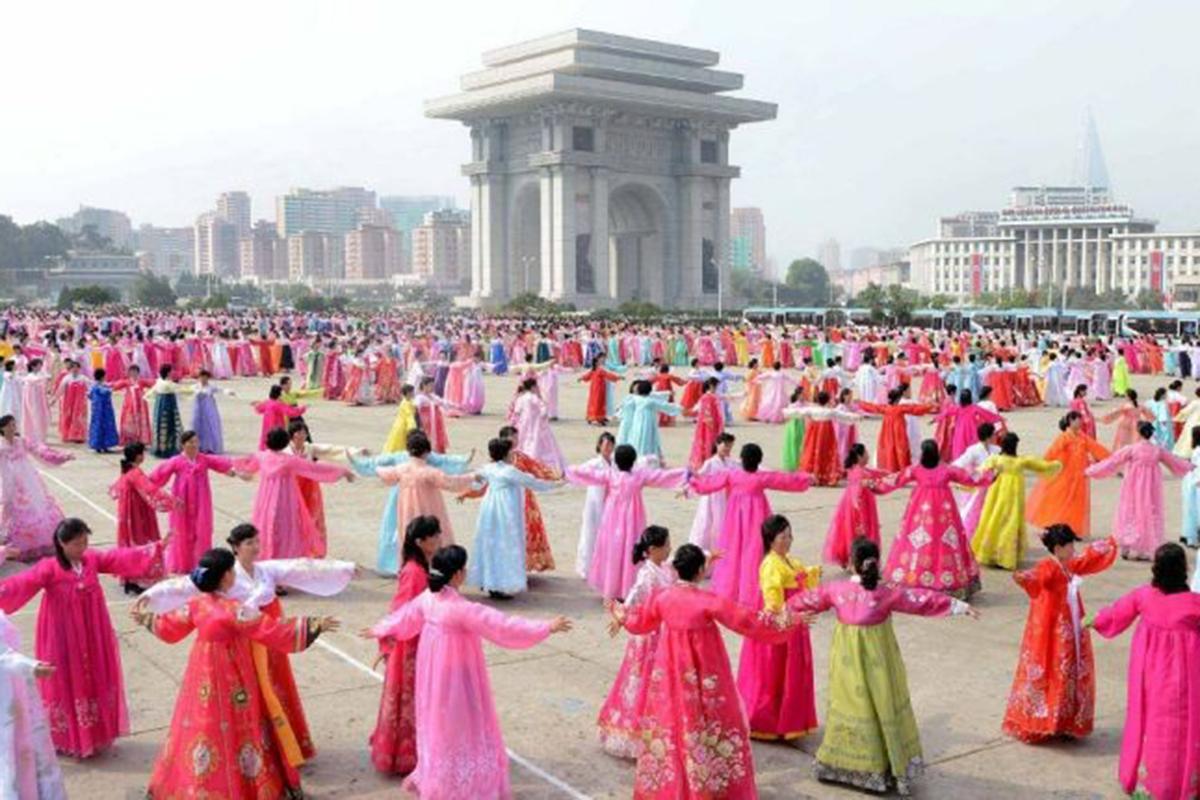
(28, 246)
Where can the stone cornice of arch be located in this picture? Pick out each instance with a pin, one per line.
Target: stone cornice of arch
(547, 159)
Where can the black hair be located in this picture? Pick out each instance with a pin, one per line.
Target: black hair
(653, 536)
(507, 432)
(206, 374)
(725, 436)
(642, 388)
(822, 398)
(184, 437)
(930, 455)
(164, 371)
(447, 562)
(7, 418)
(274, 392)
(277, 439)
(1145, 429)
(710, 384)
(417, 444)
(625, 456)
(752, 456)
(422, 526)
(689, 561)
(985, 431)
(130, 455)
(1195, 436)
(1131, 395)
(211, 568)
(856, 453)
(1008, 444)
(526, 385)
(602, 438)
(297, 426)
(965, 397)
(895, 395)
(1170, 570)
(68, 531)
(1058, 536)
(1160, 393)
(864, 555)
(99, 373)
(240, 534)
(1080, 390)
(498, 449)
(772, 527)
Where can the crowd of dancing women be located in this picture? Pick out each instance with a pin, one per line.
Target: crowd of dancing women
(677, 709)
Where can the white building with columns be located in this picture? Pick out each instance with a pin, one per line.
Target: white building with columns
(599, 170)
(1060, 237)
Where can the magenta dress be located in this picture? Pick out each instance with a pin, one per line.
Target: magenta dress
(622, 520)
(735, 576)
(931, 550)
(85, 698)
(1138, 518)
(1160, 748)
(857, 514)
(285, 525)
(275, 414)
(964, 422)
(460, 750)
(192, 520)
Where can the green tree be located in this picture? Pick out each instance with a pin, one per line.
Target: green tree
(92, 295)
(873, 297)
(1149, 300)
(424, 298)
(531, 303)
(151, 291)
(810, 281)
(901, 302)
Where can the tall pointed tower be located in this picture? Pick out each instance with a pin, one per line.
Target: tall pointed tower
(1090, 170)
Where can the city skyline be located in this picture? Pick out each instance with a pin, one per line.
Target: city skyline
(867, 149)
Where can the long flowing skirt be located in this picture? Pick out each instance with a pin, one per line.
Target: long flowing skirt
(206, 422)
(538, 557)
(620, 717)
(793, 443)
(871, 738)
(167, 426)
(394, 741)
(776, 685)
(819, 457)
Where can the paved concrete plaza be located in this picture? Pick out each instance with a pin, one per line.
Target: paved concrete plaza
(959, 671)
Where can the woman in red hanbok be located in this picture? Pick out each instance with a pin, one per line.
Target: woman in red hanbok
(694, 388)
(138, 500)
(387, 378)
(192, 513)
(894, 453)
(819, 457)
(219, 743)
(1054, 689)
(857, 514)
(710, 422)
(85, 697)
(1079, 403)
(932, 550)
(695, 741)
(597, 378)
(134, 425)
(394, 741)
(736, 574)
(72, 394)
(664, 381)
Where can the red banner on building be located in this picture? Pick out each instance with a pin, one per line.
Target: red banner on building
(976, 274)
(1156, 270)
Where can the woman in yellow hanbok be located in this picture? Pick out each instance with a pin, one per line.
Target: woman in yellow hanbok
(404, 423)
(999, 538)
(741, 347)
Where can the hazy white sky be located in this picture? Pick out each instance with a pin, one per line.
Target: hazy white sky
(890, 113)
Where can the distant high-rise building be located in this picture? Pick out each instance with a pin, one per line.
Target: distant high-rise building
(314, 255)
(333, 211)
(747, 240)
(373, 252)
(108, 224)
(1090, 171)
(408, 211)
(375, 216)
(441, 248)
(234, 208)
(829, 253)
(169, 252)
(216, 246)
(262, 254)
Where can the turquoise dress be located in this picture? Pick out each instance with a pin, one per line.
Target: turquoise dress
(639, 422)
(387, 561)
(497, 561)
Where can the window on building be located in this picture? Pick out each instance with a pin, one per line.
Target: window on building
(583, 138)
(708, 151)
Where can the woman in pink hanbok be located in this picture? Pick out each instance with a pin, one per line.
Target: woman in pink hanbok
(28, 512)
(1138, 519)
(932, 550)
(620, 715)
(280, 514)
(275, 413)
(85, 698)
(28, 768)
(963, 421)
(694, 737)
(431, 415)
(530, 416)
(460, 750)
(35, 402)
(775, 387)
(71, 393)
(1159, 751)
(1126, 417)
(857, 514)
(710, 511)
(623, 519)
(192, 515)
(736, 574)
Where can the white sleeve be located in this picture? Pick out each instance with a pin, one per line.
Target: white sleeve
(322, 577)
(166, 596)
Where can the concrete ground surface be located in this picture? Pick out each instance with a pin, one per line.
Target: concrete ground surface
(959, 670)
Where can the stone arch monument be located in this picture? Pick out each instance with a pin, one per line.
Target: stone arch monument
(599, 170)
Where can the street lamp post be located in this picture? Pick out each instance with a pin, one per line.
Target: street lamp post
(720, 288)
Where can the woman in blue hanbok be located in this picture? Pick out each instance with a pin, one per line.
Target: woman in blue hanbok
(102, 428)
(639, 419)
(1163, 419)
(498, 566)
(1190, 490)
(498, 358)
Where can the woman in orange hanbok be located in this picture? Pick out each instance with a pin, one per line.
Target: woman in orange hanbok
(1066, 498)
(1054, 689)
(749, 408)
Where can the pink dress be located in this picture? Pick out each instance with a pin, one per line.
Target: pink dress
(275, 414)
(931, 550)
(775, 385)
(460, 750)
(1126, 418)
(963, 423)
(1138, 518)
(420, 492)
(695, 742)
(285, 525)
(1160, 748)
(621, 715)
(856, 514)
(28, 512)
(736, 574)
(530, 415)
(192, 517)
(710, 511)
(612, 571)
(85, 698)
